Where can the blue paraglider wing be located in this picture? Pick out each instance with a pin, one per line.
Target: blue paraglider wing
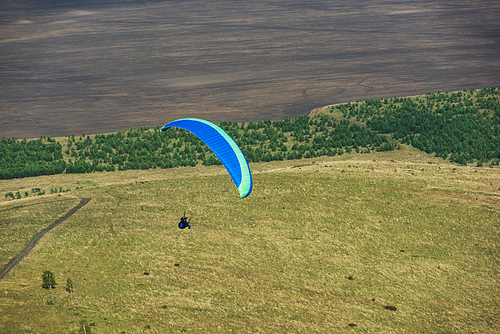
(224, 148)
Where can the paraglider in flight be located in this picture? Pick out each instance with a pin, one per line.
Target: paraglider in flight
(224, 148)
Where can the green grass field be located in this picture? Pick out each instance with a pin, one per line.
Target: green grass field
(393, 242)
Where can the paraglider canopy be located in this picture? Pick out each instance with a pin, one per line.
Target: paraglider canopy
(224, 148)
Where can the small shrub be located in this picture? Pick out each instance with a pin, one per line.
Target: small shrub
(48, 279)
(84, 328)
(69, 285)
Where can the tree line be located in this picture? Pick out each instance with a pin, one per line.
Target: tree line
(462, 126)
(144, 148)
(24, 158)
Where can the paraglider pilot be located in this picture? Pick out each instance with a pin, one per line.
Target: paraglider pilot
(184, 223)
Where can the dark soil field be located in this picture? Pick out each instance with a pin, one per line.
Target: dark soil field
(73, 67)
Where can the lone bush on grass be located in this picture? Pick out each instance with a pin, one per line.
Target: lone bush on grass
(84, 328)
(48, 279)
(69, 285)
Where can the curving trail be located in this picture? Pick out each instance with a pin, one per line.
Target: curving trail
(12, 263)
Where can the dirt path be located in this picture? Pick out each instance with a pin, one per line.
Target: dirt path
(12, 263)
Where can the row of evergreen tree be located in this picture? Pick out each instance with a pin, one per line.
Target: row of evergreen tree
(142, 148)
(462, 126)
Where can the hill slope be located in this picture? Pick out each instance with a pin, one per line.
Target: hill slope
(395, 241)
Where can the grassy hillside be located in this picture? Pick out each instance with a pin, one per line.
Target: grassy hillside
(386, 242)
